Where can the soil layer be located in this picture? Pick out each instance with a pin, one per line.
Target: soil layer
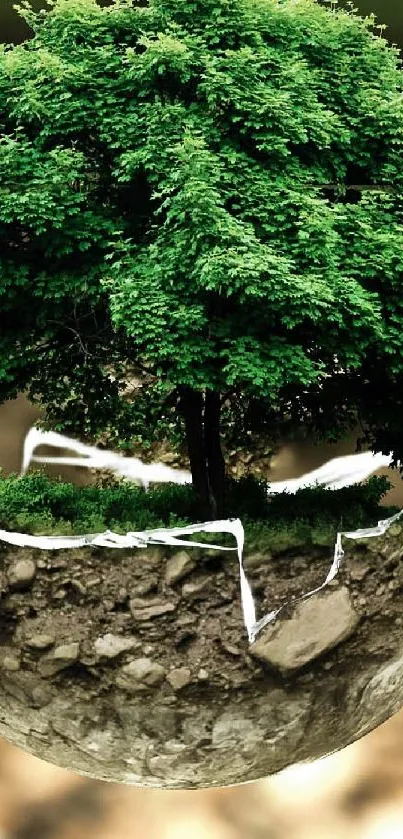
(134, 665)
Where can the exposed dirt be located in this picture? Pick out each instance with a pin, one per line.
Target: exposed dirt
(135, 665)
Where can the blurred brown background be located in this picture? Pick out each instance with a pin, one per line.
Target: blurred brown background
(357, 793)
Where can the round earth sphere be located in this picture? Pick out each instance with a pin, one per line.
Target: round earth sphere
(135, 666)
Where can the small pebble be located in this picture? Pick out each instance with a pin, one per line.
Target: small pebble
(40, 641)
(179, 677)
(21, 573)
(11, 662)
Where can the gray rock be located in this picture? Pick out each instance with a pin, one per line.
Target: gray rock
(41, 695)
(383, 693)
(318, 624)
(144, 610)
(197, 589)
(21, 573)
(231, 728)
(178, 566)
(140, 674)
(110, 646)
(78, 586)
(203, 674)
(147, 586)
(174, 747)
(60, 658)
(58, 562)
(153, 556)
(9, 659)
(40, 641)
(179, 677)
(186, 620)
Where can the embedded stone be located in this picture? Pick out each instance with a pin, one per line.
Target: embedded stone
(203, 674)
(317, 625)
(41, 695)
(9, 660)
(40, 641)
(155, 555)
(179, 677)
(149, 585)
(140, 674)
(358, 570)
(111, 646)
(21, 573)
(196, 590)
(144, 610)
(60, 658)
(178, 566)
(383, 692)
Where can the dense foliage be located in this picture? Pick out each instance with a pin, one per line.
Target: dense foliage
(36, 504)
(210, 190)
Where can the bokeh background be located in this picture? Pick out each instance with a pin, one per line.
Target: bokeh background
(356, 793)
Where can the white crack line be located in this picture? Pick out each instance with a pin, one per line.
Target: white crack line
(334, 474)
(94, 458)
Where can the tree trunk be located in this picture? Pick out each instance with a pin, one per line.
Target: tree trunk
(191, 407)
(201, 414)
(214, 455)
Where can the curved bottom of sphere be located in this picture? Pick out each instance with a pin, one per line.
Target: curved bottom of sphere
(135, 667)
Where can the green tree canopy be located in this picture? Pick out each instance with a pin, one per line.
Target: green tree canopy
(212, 190)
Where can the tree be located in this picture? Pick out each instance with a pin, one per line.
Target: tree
(210, 190)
